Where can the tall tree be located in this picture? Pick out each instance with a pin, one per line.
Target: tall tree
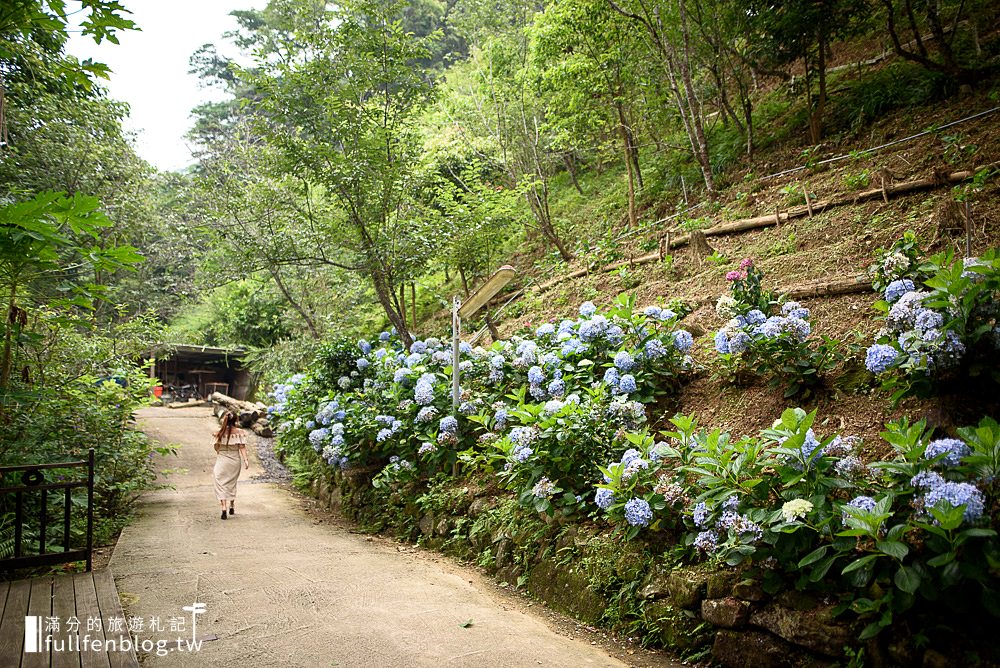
(586, 54)
(340, 105)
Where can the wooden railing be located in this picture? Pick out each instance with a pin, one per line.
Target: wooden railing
(19, 482)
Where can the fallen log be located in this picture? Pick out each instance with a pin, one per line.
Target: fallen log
(185, 404)
(246, 412)
(772, 219)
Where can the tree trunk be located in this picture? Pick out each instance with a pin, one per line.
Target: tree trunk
(630, 175)
(276, 275)
(384, 293)
(8, 339)
(571, 168)
(413, 304)
(816, 114)
(693, 105)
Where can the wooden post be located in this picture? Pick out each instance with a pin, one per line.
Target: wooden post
(968, 229)
(809, 204)
(685, 189)
(885, 193)
(777, 217)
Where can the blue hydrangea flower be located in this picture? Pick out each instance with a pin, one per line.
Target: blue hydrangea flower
(800, 313)
(523, 435)
(928, 320)
(535, 375)
(927, 480)
(567, 326)
(384, 419)
(400, 375)
(624, 361)
(626, 384)
(850, 467)
(615, 335)
(683, 340)
(426, 414)
(521, 453)
(722, 341)
(449, 424)
(465, 348)
(880, 357)
(364, 346)
(865, 503)
(384, 336)
(383, 434)
(604, 498)
(638, 513)
(572, 346)
(557, 387)
(739, 342)
(700, 515)
(611, 377)
(500, 418)
(653, 311)
(630, 455)
(755, 317)
(587, 309)
(546, 329)
(788, 307)
(655, 349)
(955, 494)
(897, 289)
(950, 451)
(423, 393)
(731, 503)
(362, 363)
(418, 347)
(707, 541)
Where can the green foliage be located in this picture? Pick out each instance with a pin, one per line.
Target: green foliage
(944, 329)
(780, 497)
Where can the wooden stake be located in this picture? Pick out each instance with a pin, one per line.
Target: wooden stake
(885, 193)
(968, 229)
(777, 217)
(809, 204)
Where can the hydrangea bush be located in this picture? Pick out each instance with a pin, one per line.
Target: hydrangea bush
(765, 339)
(539, 410)
(940, 321)
(808, 511)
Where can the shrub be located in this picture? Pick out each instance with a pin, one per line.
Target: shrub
(808, 512)
(940, 323)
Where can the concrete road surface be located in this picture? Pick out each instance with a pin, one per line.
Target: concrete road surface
(282, 589)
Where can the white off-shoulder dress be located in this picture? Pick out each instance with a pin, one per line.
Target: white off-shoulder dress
(228, 464)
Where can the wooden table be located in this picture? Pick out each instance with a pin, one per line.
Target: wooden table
(85, 596)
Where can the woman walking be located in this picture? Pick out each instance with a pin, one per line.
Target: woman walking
(230, 448)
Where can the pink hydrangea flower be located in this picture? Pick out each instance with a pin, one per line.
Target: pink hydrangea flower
(746, 263)
(733, 276)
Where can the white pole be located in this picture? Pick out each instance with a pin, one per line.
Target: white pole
(456, 331)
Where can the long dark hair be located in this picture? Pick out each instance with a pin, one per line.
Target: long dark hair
(227, 426)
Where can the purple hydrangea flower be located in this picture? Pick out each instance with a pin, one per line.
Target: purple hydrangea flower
(880, 357)
(638, 513)
(950, 451)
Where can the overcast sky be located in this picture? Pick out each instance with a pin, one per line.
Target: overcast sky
(149, 69)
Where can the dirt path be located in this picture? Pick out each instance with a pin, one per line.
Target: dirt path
(283, 589)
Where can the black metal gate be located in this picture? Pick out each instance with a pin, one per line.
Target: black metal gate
(22, 483)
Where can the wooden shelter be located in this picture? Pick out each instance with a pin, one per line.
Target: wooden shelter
(202, 368)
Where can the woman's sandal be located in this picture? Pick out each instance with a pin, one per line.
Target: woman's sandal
(224, 514)
(232, 510)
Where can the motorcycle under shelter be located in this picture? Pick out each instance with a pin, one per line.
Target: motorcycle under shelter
(188, 371)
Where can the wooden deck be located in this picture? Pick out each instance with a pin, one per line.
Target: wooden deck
(83, 596)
